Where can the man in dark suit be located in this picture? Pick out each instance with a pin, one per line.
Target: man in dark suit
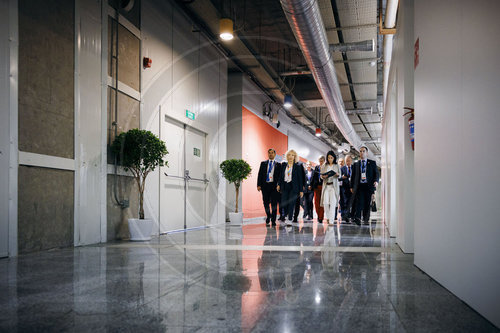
(364, 182)
(267, 180)
(345, 188)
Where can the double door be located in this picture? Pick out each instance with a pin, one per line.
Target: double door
(183, 184)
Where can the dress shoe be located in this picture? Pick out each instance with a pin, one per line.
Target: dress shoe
(268, 220)
(357, 221)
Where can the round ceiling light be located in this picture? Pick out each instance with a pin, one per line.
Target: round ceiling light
(226, 29)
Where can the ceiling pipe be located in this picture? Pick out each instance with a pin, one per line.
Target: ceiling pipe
(307, 25)
(365, 45)
(389, 23)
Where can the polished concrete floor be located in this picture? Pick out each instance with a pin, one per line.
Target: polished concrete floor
(308, 277)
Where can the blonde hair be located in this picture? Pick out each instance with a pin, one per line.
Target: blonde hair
(293, 152)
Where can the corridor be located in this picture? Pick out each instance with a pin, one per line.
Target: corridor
(149, 147)
(308, 277)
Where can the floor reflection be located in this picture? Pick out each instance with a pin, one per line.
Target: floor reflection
(308, 277)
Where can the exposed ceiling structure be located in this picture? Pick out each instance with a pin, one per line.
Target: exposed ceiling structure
(266, 49)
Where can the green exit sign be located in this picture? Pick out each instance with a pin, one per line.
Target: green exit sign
(189, 114)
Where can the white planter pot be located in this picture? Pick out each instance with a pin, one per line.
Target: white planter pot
(236, 218)
(140, 230)
(235, 232)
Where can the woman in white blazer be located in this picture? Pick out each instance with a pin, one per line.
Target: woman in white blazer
(330, 193)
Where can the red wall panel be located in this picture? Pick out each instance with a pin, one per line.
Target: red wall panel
(257, 137)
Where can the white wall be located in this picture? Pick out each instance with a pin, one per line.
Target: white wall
(402, 61)
(187, 73)
(457, 151)
(389, 156)
(398, 155)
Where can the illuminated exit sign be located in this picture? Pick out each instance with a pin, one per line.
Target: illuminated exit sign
(189, 114)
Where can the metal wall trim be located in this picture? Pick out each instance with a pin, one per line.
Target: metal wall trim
(46, 161)
(76, 161)
(104, 119)
(123, 21)
(122, 87)
(14, 119)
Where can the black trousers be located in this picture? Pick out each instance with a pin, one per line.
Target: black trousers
(270, 197)
(363, 201)
(289, 199)
(308, 203)
(297, 208)
(345, 197)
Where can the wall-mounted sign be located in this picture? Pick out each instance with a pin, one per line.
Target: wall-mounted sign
(197, 152)
(189, 114)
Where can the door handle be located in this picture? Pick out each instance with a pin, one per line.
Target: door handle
(206, 181)
(183, 178)
(188, 177)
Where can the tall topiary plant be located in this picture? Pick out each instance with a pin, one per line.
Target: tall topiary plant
(235, 171)
(139, 151)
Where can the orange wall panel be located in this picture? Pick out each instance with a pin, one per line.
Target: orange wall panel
(257, 137)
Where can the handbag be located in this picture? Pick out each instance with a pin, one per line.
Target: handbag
(374, 206)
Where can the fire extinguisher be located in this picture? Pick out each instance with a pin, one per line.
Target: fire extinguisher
(411, 123)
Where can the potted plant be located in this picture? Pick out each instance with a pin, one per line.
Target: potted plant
(235, 171)
(140, 152)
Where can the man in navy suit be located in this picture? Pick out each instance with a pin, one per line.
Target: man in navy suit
(345, 188)
(267, 180)
(364, 182)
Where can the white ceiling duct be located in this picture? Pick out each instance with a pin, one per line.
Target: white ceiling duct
(307, 25)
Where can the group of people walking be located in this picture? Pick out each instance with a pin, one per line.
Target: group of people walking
(336, 188)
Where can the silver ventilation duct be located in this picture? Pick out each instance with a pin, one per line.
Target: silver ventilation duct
(305, 21)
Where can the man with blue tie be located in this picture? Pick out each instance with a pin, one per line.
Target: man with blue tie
(345, 188)
(267, 179)
(364, 182)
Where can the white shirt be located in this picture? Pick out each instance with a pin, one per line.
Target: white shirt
(288, 173)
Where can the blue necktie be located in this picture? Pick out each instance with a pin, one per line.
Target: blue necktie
(270, 167)
(363, 170)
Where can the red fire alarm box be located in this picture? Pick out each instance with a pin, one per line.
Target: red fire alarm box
(146, 62)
